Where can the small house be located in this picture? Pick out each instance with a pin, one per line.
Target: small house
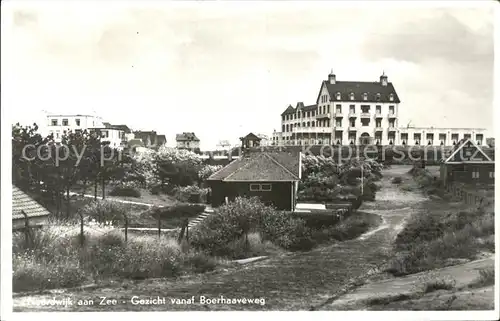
(468, 164)
(25, 208)
(272, 176)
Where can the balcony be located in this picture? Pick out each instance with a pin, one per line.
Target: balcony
(311, 130)
(323, 116)
(391, 128)
(365, 115)
(338, 114)
(378, 128)
(391, 115)
(352, 128)
(378, 115)
(352, 114)
(339, 127)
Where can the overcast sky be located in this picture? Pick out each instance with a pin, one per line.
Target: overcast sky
(223, 70)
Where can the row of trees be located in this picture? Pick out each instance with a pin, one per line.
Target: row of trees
(50, 170)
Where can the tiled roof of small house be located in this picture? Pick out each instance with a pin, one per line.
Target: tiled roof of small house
(22, 202)
(261, 166)
(143, 135)
(187, 137)
(125, 128)
(472, 148)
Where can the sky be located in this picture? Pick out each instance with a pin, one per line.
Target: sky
(223, 70)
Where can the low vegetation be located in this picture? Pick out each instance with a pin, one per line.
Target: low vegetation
(123, 190)
(441, 235)
(227, 232)
(486, 278)
(57, 258)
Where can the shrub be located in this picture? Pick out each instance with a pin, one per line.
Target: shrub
(397, 180)
(439, 284)
(104, 211)
(178, 211)
(318, 220)
(186, 193)
(285, 231)
(486, 278)
(125, 191)
(32, 273)
(351, 227)
(200, 262)
(230, 222)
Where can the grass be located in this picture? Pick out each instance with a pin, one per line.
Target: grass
(350, 228)
(434, 239)
(57, 259)
(439, 284)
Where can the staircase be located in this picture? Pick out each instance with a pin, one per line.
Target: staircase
(192, 223)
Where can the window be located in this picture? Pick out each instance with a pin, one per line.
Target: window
(339, 123)
(328, 109)
(365, 96)
(378, 109)
(365, 122)
(352, 109)
(378, 96)
(313, 113)
(254, 187)
(338, 109)
(65, 122)
(475, 173)
(77, 121)
(391, 110)
(303, 124)
(338, 96)
(351, 96)
(312, 123)
(54, 122)
(378, 123)
(308, 124)
(492, 174)
(265, 187)
(365, 109)
(352, 123)
(283, 128)
(391, 97)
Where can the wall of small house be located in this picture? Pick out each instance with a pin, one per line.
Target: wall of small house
(462, 173)
(280, 195)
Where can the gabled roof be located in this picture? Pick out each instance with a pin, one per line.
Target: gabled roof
(186, 136)
(261, 166)
(251, 136)
(476, 153)
(144, 136)
(358, 88)
(22, 202)
(288, 110)
(106, 125)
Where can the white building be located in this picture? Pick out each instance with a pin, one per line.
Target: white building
(356, 112)
(116, 135)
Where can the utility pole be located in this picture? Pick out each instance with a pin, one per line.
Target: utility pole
(362, 180)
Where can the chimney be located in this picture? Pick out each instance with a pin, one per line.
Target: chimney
(383, 79)
(331, 78)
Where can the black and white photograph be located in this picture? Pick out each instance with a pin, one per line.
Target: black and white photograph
(331, 158)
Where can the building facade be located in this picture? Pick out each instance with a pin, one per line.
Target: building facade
(359, 113)
(187, 141)
(58, 124)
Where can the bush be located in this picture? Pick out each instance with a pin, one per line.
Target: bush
(397, 180)
(186, 194)
(200, 262)
(350, 228)
(486, 278)
(32, 273)
(104, 211)
(287, 232)
(178, 211)
(125, 191)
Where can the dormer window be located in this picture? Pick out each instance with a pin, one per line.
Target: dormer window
(391, 97)
(378, 96)
(351, 96)
(337, 96)
(365, 96)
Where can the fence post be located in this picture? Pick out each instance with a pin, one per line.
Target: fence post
(159, 225)
(187, 229)
(126, 227)
(27, 243)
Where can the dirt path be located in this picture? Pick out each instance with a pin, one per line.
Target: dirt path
(298, 281)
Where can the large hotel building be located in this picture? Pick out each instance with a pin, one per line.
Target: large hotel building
(357, 112)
